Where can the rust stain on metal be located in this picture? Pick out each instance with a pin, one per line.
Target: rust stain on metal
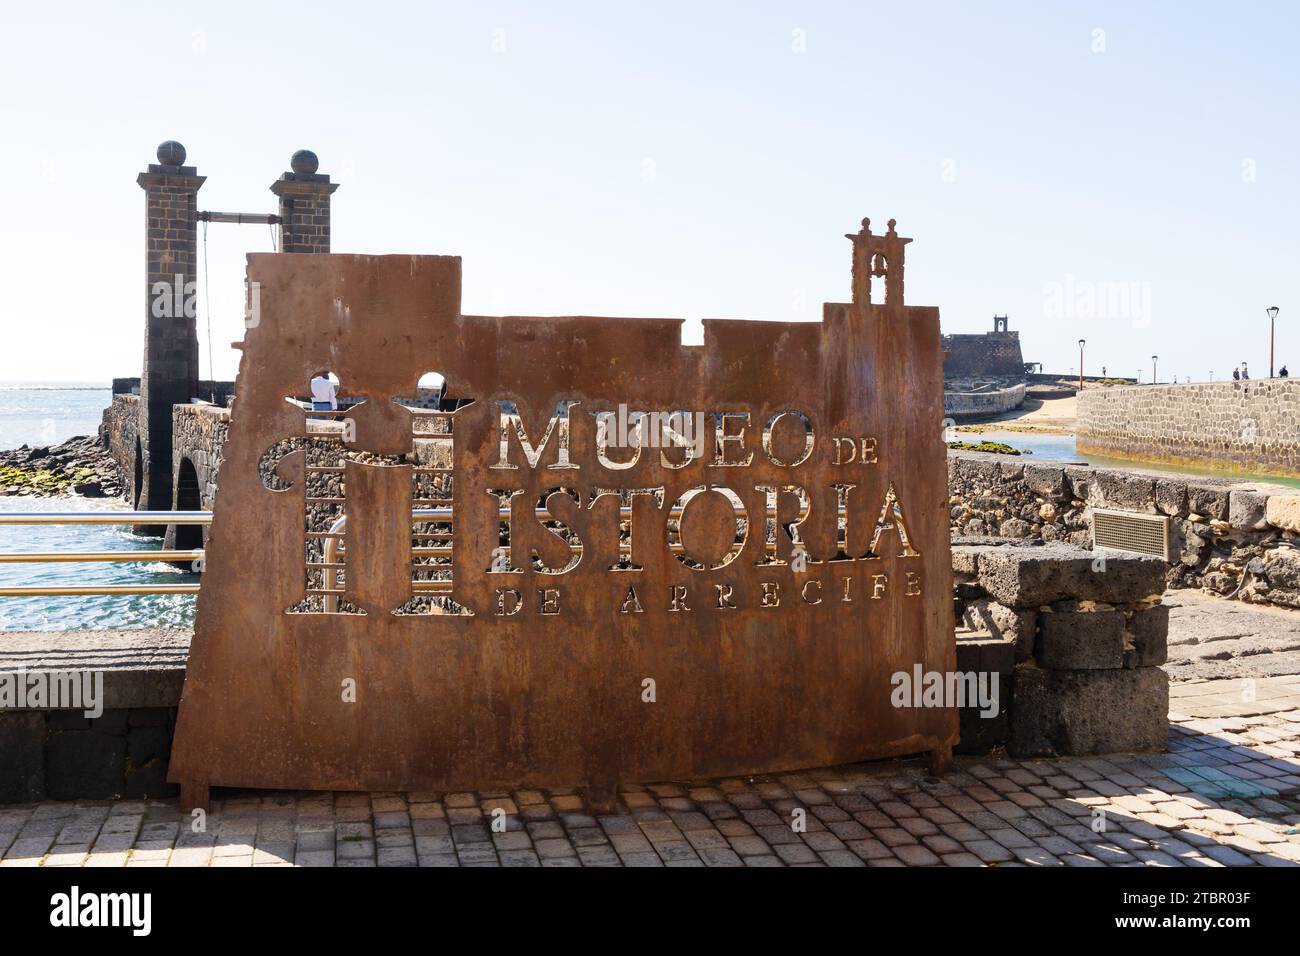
(596, 607)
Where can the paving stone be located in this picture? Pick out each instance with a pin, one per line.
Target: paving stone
(548, 849)
(676, 851)
(793, 853)
(916, 855)
(1109, 853)
(941, 844)
(989, 851)
(717, 856)
(397, 856)
(849, 830)
(823, 841)
(1037, 856)
(918, 826)
(1227, 855)
(1011, 839)
(778, 835)
(474, 854)
(962, 832)
(435, 844)
(350, 849)
(734, 828)
(588, 836)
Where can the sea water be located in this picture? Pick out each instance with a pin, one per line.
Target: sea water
(1045, 447)
(37, 415)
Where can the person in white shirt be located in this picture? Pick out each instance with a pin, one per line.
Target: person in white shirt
(324, 396)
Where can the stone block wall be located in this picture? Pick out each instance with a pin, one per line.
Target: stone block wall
(1224, 538)
(988, 353)
(199, 437)
(57, 752)
(118, 432)
(1248, 426)
(960, 406)
(1076, 644)
(62, 755)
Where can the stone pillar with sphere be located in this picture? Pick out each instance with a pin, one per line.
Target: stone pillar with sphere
(170, 373)
(304, 205)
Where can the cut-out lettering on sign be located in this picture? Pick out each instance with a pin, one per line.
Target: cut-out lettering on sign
(583, 552)
(729, 509)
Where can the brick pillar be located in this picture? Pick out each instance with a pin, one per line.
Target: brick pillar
(170, 375)
(304, 205)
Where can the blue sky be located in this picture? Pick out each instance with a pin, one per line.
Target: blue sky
(679, 159)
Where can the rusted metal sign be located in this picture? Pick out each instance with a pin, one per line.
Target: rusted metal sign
(620, 559)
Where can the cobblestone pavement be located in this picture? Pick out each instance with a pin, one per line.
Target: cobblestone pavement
(1226, 794)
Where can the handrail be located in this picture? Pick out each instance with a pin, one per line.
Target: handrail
(100, 589)
(330, 564)
(124, 557)
(106, 517)
(418, 516)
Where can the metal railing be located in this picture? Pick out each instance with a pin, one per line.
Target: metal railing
(331, 565)
(127, 557)
(107, 517)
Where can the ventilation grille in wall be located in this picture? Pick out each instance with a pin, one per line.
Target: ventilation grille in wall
(1131, 531)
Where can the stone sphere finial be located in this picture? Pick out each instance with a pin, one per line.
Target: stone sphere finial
(304, 162)
(171, 153)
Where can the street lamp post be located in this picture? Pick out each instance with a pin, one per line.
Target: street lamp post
(1272, 311)
(1153, 368)
(1081, 345)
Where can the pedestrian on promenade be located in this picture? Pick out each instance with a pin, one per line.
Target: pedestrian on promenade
(324, 395)
(1236, 374)
(1245, 375)
(1282, 372)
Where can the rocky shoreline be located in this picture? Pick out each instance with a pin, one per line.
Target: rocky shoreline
(80, 466)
